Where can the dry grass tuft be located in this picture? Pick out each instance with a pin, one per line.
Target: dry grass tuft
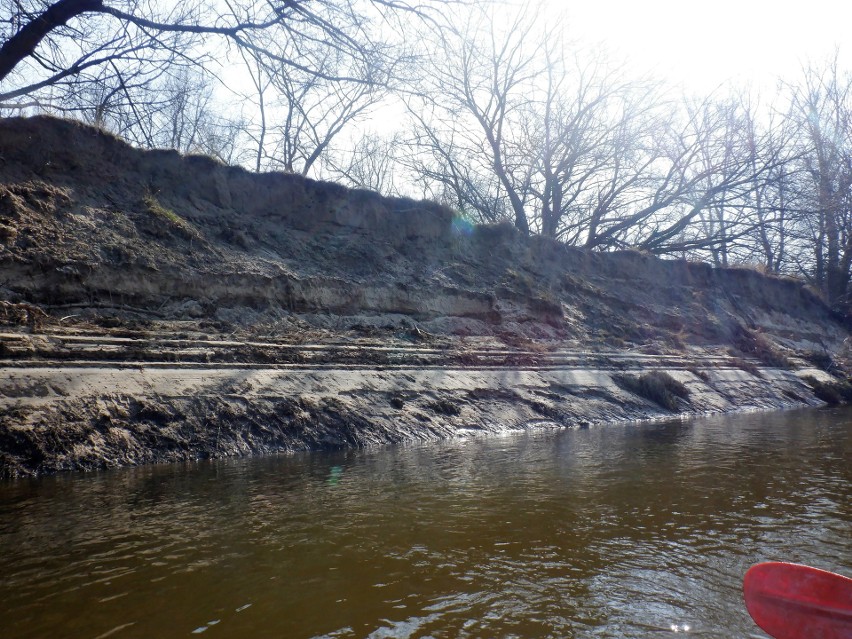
(839, 392)
(656, 386)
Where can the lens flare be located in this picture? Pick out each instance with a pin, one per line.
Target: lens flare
(461, 226)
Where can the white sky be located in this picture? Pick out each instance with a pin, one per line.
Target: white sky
(705, 43)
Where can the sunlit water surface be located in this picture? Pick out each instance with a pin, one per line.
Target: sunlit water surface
(641, 530)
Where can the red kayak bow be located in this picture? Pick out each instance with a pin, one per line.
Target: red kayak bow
(791, 601)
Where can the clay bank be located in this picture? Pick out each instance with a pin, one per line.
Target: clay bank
(157, 307)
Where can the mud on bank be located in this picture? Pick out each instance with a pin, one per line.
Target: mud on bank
(72, 400)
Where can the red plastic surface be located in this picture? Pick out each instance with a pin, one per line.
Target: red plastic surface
(791, 601)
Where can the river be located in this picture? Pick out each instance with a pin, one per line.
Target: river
(636, 530)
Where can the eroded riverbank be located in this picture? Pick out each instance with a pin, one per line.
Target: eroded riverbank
(86, 413)
(155, 307)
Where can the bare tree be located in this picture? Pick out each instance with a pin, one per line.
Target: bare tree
(587, 136)
(299, 115)
(570, 147)
(450, 170)
(821, 108)
(256, 126)
(761, 219)
(475, 92)
(369, 162)
(57, 44)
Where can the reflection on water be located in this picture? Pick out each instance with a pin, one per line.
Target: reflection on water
(619, 531)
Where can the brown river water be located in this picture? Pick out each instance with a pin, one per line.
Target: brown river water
(638, 530)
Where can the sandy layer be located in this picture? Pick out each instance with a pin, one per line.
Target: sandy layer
(92, 414)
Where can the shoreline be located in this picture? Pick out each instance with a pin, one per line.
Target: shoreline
(85, 414)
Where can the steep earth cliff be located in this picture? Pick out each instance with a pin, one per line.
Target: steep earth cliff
(158, 307)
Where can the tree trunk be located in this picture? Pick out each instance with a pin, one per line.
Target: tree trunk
(23, 44)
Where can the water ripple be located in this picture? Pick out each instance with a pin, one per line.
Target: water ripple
(622, 531)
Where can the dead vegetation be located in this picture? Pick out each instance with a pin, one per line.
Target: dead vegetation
(22, 314)
(756, 344)
(656, 386)
(835, 392)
